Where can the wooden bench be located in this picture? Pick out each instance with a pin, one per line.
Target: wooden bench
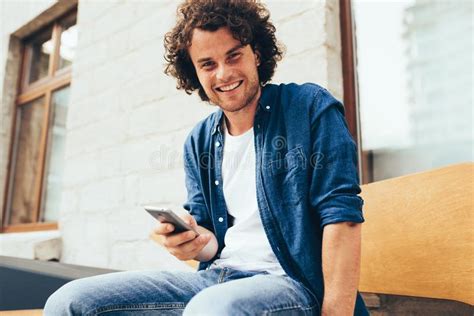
(418, 239)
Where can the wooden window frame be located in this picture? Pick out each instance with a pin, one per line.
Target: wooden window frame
(350, 86)
(44, 87)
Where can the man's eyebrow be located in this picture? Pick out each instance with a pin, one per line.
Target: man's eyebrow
(230, 51)
(236, 47)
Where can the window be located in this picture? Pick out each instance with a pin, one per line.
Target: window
(414, 81)
(33, 194)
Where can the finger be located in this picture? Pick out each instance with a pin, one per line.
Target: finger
(190, 249)
(175, 240)
(190, 220)
(197, 244)
(163, 228)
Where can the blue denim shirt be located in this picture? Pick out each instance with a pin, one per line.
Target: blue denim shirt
(306, 176)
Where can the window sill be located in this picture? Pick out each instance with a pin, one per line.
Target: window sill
(33, 227)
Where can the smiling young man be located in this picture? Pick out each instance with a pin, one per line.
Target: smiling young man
(272, 187)
(278, 192)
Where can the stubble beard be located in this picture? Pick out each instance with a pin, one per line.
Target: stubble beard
(249, 98)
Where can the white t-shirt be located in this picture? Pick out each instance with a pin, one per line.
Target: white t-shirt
(247, 247)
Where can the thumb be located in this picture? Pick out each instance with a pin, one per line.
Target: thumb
(190, 220)
(205, 238)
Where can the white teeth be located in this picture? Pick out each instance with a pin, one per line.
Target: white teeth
(230, 87)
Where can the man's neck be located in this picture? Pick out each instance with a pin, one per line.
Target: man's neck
(241, 121)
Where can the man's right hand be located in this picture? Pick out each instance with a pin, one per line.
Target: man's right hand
(185, 245)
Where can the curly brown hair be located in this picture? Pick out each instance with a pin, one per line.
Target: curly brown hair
(249, 22)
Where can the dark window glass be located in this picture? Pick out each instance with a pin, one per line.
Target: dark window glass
(29, 128)
(40, 49)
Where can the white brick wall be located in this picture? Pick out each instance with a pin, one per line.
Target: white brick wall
(127, 122)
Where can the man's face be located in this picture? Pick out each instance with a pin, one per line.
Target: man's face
(226, 70)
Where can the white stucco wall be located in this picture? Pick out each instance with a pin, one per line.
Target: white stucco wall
(127, 122)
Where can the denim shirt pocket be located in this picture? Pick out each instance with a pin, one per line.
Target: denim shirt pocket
(288, 176)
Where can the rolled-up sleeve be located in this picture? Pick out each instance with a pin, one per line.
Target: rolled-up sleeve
(335, 183)
(195, 203)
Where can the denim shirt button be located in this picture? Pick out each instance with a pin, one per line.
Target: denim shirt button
(267, 107)
(216, 182)
(220, 219)
(218, 144)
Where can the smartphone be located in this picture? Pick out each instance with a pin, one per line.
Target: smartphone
(168, 216)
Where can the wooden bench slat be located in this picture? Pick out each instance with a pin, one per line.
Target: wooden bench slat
(418, 238)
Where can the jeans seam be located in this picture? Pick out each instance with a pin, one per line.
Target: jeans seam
(310, 293)
(141, 306)
(287, 308)
(221, 276)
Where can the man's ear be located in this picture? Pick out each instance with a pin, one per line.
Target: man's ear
(257, 57)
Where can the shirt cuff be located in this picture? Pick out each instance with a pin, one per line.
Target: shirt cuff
(344, 209)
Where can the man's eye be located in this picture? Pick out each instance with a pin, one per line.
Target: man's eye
(234, 55)
(207, 64)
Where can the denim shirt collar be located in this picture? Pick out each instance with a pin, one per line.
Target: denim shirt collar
(265, 104)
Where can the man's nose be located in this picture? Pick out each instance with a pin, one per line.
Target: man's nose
(223, 72)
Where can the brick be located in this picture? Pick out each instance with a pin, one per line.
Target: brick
(142, 89)
(282, 10)
(371, 300)
(94, 233)
(144, 7)
(104, 104)
(166, 115)
(81, 88)
(95, 136)
(334, 73)
(110, 161)
(131, 190)
(132, 223)
(116, 44)
(154, 188)
(136, 155)
(101, 195)
(139, 33)
(81, 169)
(69, 202)
(89, 56)
(105, 76)
(72, 226)
(148, 58)
(90, 10)
(308, 66)
(47, 250)
(113, 20)
(156, 153)
(302, 32)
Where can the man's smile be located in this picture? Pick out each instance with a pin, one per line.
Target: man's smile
(229, 87)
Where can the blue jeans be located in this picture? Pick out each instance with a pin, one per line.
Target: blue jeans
(216, 291)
